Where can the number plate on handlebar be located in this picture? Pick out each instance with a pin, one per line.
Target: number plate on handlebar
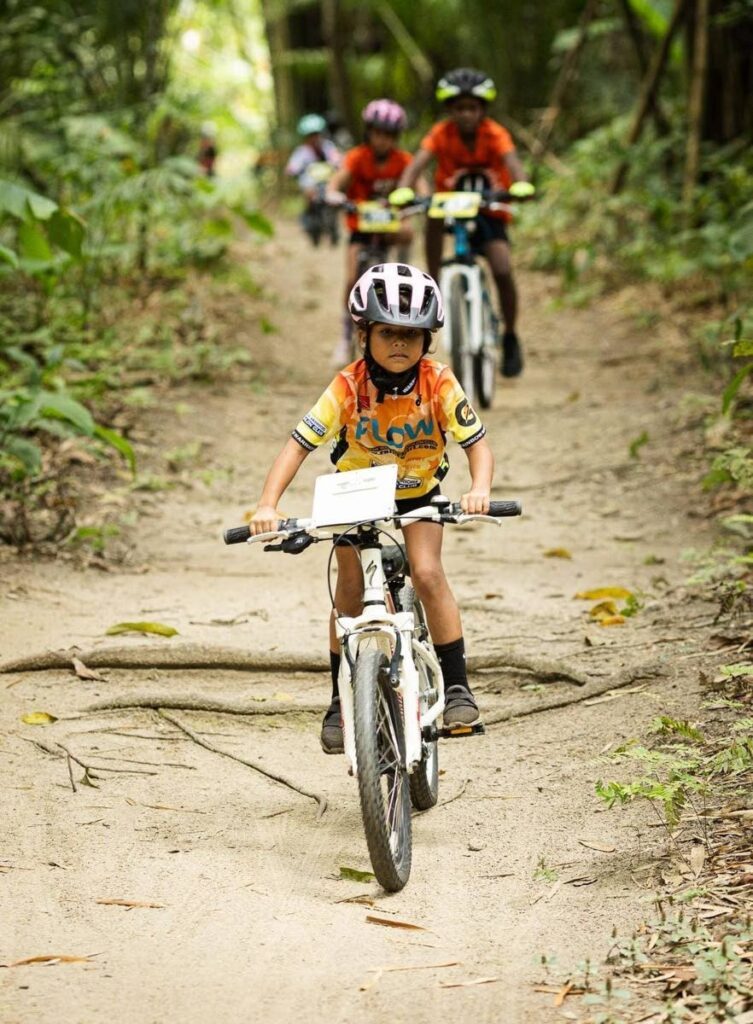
(458, 205)
(320, 172)
(373, 216)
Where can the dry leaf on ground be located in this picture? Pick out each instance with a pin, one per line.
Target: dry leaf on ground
(51, 958)
(83, 672)
(141, 627)
(594, 844)
(604, 593)
(467, 984)
(372, 919)
(130, 904)
(38, 718)
(557, 553)
(354, 875)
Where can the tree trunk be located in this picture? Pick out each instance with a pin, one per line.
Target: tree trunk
(648, 92)
(566, 75)
(275, 17)
(729, 82)
(696, 97)
(333, 33)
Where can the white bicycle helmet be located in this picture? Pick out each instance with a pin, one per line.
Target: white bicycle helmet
(397, 293)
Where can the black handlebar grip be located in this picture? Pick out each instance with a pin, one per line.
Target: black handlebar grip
(505, 508)
(237, 534)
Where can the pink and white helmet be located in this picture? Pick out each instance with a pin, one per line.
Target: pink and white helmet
(384, 114)
(397, 293)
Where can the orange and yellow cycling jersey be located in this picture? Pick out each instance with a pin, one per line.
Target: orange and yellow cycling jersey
(407, 428)
(491, 144)
(371, 178)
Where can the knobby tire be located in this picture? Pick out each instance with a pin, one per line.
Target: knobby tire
(382, 779)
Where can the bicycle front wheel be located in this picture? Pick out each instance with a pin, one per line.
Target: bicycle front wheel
(382, 778)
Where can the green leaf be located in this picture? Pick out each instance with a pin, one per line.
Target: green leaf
(67, 231)
(33, 244)
(24, 204)
(729, 393)
(637, 443)
(735, 671)
(353, 875)
(119, 443)
(141, 627)
(258, 222)
(38, 718)
(8, 256)
(63, 407)
(26, 452)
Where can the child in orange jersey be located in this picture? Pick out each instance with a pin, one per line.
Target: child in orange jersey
(369, 171)
(471, 150)
(394, 405)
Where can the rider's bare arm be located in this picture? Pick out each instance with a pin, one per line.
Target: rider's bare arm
(481, 464)
(338, 183)
(414, 171)
(514, 166)
(284, 469)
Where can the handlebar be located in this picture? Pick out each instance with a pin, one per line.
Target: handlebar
(451, 512)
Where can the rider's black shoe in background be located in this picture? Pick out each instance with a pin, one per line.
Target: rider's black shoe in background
(512, 355)
(332, 729)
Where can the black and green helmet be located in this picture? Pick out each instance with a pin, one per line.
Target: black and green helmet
(465, 82)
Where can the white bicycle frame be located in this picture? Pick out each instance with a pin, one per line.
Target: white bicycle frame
(473, 290)
(378, 628)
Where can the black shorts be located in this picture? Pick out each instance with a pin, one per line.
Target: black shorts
(365, 238)
(404, 506)
(488, 229)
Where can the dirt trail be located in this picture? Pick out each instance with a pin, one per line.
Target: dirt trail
(253, 923)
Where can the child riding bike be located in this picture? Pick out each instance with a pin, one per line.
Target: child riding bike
(315, 149)
(394, 405)
(473, 150)
(369, 171)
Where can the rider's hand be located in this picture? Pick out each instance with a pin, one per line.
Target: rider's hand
(522, 190)
(401, 196)
(475, 502)
(264, 520)
(334, 198)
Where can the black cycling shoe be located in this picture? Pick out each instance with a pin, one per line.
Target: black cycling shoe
(332, 729)
(460, 707)
(512, 355)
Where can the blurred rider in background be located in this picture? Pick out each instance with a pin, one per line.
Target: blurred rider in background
(314, 149)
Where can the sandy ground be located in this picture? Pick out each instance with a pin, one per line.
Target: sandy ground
(253, 921)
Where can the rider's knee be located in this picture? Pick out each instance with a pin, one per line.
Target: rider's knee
(427, 579)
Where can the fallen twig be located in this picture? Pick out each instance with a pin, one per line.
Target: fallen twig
(88, 768)
(224, 707)
(320, 800)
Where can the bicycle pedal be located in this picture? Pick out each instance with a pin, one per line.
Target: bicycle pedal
(461, 731)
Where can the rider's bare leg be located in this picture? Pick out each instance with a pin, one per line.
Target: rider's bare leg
(424, 545)
(404, 241)
(434, 240)
(497, 253)
(423, 542)
(348, 589)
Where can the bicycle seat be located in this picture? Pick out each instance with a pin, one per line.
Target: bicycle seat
(394, 560)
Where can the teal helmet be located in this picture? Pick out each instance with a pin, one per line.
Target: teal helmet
(311, 124)
(465, 82)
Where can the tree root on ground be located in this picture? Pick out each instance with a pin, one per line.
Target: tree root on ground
(321, 801)
(90, 770)
(224, 707)
(195, 656)
(649, 670)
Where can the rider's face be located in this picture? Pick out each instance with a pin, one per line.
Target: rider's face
(380, 141)
(396, 347)
(466, 112)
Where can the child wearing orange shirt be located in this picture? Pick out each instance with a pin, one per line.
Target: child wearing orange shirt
(471, 149)
(394, 405)
(369, 171)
